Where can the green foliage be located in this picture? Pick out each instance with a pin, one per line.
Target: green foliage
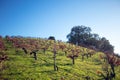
(81, 35)
(51, 38)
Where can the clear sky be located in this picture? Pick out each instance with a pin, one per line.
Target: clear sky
(44, 18)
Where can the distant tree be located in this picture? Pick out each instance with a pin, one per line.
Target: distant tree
(79, 34)
(51, 38)
(104, 45)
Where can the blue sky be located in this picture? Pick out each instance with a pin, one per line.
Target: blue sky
(43, 18)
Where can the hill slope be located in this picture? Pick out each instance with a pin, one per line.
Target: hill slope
(21, 66)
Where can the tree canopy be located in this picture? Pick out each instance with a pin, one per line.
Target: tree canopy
(51, 38)
(81, 35)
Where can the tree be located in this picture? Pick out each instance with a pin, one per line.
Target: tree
(51, 38)
(74, 53)
(25, 51)
(105, 46)
(92, 40)
(54, 57)
(109, 64)
(79, 34)
(34, 53)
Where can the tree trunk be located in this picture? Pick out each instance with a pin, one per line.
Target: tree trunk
(44, 50)
(73, 60)
(113, 71)
(82, 57)
(35, 56)
(54, 61)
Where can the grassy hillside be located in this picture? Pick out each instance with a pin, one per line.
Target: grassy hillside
(21, 66)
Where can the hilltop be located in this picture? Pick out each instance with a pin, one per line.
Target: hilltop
(42, 59)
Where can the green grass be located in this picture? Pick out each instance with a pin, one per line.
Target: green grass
(22, 66)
